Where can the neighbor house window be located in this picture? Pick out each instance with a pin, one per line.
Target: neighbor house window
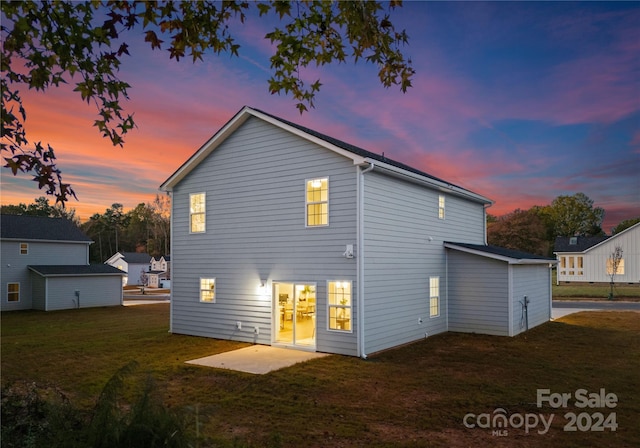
(197, 212)
(434, 296)
(563, 265)
(339, 299)
(13, 292)
(441, 207)
(571, 266)
(620, 267)
(579, 265)
(317, 202)
(208, 290)
(24, 248)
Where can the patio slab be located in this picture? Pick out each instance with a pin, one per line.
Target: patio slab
(257, 359)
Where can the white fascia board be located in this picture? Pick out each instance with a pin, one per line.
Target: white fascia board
(506, 259)
(433, 183)
(229, 128)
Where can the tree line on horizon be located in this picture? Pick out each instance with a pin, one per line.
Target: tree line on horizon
(146, 228)
(536, 229)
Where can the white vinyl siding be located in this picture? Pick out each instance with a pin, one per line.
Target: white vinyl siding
(478, 294)
(403, 240)
(595, 260)
(534, 282)
(255, 185)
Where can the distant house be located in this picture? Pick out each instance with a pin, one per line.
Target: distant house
(285, 236)
(45, 266)
(160, 272)
(132, 263)
(588, 259)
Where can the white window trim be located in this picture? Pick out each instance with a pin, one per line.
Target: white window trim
(306, 203)
(436, 297)
(350, 307)
(204, 212)
(7, 296)
(215, 289)
(26, 245)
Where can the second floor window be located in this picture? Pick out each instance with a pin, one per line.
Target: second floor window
(317, 202)
(24, 248)
(441, 207)
(197, 212)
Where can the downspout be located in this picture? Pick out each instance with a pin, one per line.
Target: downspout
(171, 301)
(550, 291)
(360, 260)
(486, 206)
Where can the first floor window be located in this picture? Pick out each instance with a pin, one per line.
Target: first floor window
(580, 267)
(197, 211)
(13, 292)
(612, 269)
(24, 248)
(434, 296)
(340, 304)
(208, 290)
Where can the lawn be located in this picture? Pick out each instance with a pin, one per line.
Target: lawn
(567, 291)
(413, 396)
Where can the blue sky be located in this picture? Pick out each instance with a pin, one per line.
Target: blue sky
(519, 102)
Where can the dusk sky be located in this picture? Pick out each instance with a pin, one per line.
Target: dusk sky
(518, 102)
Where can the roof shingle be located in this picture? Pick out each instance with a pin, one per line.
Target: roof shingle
(27, 227)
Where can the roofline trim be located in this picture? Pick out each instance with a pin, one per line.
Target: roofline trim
(79, 274)
(28, 240)
(236, 121)
(442, 186)
(510, 260)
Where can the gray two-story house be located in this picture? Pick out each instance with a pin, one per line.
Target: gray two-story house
(285, 236)
(45, 266)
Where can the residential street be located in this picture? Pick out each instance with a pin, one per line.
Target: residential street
(564, 307)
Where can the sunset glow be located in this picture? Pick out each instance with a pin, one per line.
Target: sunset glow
(519, 102)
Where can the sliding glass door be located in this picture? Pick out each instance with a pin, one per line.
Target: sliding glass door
(294, 311)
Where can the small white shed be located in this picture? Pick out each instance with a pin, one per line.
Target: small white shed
(493, 290)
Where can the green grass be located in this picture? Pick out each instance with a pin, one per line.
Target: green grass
(412, 396)
(621, 291)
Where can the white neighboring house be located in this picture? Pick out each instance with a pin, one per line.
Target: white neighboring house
(588, 259)
(45, 266)
(133, 264)
(159, 275)
(285, 236)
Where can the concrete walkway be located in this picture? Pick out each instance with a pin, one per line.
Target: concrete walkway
(257, 359)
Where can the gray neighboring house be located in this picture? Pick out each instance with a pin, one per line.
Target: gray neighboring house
(288, 237)
(132, 263)
(588, 258)
(45, 266)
